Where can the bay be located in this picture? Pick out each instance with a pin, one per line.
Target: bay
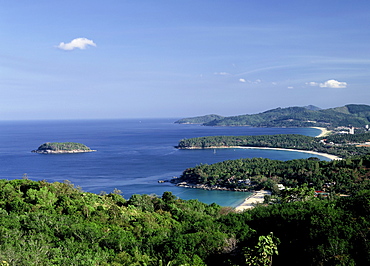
(132, 154)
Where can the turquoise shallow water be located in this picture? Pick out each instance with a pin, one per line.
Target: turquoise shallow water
(132, 154)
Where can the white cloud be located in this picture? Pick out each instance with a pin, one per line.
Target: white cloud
(242, 80)
(312, 83)
(222, 73)
(80, 43)
(290, 87)
(333, 84)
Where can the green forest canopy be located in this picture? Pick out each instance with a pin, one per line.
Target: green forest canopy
(58, 224)
(338, 176)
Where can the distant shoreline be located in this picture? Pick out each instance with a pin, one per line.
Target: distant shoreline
(324, 132)
(327, 155)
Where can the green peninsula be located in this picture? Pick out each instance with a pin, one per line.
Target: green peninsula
(342, 145)
(356, 115)
(199, 119)
(62, 147)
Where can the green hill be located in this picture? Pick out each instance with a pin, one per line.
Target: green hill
(199, 119)
(58, 224)
(62, 147)
(348, 115)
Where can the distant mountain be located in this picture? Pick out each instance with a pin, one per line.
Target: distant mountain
(312, 107)
(349, 115)
(199, 119)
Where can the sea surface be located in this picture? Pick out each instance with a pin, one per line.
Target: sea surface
(132, 154)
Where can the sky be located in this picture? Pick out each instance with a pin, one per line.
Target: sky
(151, 59)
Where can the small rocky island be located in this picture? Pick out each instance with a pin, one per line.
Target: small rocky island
(62, 147)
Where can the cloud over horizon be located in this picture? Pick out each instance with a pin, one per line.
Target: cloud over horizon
(80, 43)
(222, 73)
(331, 83)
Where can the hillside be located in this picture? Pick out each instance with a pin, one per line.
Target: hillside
(345, 176)
(199, 119)
(309, 116)
(58, 224)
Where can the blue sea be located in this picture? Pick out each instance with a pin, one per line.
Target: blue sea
(132, 154)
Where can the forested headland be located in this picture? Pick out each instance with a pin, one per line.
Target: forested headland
(58, 224)
(357, 115)
(338, 176)
(342, 145)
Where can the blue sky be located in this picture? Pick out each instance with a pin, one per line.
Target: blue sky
(138, 59)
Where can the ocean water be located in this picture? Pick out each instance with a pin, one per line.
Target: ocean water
(132, 154)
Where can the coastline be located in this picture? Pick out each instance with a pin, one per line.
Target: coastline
(324, 132)
(60, 151)
(327, 155)
(258, 196)
(255, 198)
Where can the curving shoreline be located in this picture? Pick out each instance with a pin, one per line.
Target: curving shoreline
(327, 155)
(258, 196)
(324, 132)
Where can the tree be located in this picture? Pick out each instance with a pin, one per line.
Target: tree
(261, 254)
(302, 193)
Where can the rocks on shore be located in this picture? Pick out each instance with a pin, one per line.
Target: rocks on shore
(206, 187)
(60, 151)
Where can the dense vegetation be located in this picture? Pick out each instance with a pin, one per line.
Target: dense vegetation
(287, 141)
(344, 176)
(58, 224)
(349, 115)
(63, 146)
(348, 138)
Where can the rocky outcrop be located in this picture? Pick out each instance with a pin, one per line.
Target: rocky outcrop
(60, 151)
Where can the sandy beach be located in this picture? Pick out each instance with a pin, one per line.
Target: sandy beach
(330, 156)
(249, 202)
(258, 196)
(324, 132)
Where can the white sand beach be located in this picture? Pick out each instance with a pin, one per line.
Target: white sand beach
(330, 156)
(258, 196)
(324, 132)
(249, 202)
